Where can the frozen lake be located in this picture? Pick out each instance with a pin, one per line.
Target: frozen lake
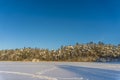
(59, 71)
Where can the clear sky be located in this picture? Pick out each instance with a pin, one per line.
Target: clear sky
(52, 23)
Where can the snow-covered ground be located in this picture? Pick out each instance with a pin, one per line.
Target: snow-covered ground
(59, 71)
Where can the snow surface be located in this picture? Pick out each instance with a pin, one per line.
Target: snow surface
(59, 71)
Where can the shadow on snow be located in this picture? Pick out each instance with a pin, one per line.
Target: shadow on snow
(92, 73)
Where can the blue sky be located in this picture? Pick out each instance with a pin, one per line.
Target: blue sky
(52, 23)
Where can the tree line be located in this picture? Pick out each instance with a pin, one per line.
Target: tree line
(89, 52)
